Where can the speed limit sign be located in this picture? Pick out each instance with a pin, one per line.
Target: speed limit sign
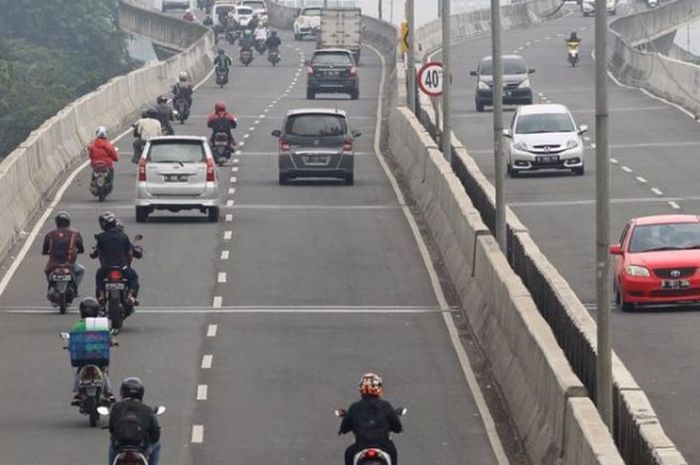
(430, 78)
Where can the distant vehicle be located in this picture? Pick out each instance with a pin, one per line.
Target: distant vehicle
(259, 9)
(307, 23)
(516, 82)
(657, 261)
(588, 7)
(177, 173)
(219, 10)
(341, 28)
(332, 70)
(544, 137)
(652, 3)
(174, 4)
(318, 143)
(242, 16)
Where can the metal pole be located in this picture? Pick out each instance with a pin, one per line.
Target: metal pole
(391, 11)
(379, 8)
(603, 361)
(410, 62)
(446, 128)
(497, 62)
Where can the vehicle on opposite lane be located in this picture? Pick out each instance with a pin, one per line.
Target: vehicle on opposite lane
(170, 4)
(657, 262)
(307, 23)
(588, 7)
(516, 82)
(332, 70)
(316, 142)
(177, 173)
(544, 137)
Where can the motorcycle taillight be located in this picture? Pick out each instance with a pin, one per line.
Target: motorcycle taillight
(131, 458)
(114, 275)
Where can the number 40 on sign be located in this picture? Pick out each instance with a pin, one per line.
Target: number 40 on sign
(430, 78)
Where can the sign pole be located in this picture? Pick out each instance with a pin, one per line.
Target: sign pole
(446, 128)
(411, 62)
(497, 62)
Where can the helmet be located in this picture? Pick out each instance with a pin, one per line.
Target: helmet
(62, 219)
(151, 113)
(183, 76)
(89, 308)
(573, 36)
(219, 107)
(107, 221)
(221, 51)
(247, 32)
(273, 33)
(119, 225)
(101, 132)
(162, 99)
(131, 388)
(371, 385)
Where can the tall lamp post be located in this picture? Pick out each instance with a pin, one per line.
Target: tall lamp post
(497, 62)
(446, 127)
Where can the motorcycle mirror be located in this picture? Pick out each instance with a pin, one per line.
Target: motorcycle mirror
(138, 237)
(340, 412)
(472, 73)
(356, 133)
(102, 410)
(159, 410)
(531, 71)
(277, 133)
(65, 336)
(116, 149)
(583, 128)
(401, 411)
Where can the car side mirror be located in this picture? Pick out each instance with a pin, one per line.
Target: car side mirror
(277, 133)
(472, 73)
(507, 133)
(356, 133)
(583, 128)
(616, 249)
(138, 237)
(531, 71)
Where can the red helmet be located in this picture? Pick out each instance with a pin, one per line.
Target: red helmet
(371, 385)
(219, 107)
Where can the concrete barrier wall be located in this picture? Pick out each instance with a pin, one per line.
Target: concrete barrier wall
(30, 172)
(167, 31)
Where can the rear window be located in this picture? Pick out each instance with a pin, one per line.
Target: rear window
(244, 11)
(510, 66)
(224, 9)
(316, 125)
(311, 12)
(176, 152)
(255, 5)
(335, 59)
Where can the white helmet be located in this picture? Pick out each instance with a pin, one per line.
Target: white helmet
(183, 76)
(101, 132)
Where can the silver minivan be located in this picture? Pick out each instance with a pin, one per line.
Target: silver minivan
(177, 173)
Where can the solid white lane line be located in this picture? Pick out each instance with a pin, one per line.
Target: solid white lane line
(674, 205)
(202, 392)
(229, 204)
(221, 278)
(197, 434)
(229, 217)
(487, 419)
(626, 169)
(657, 191)
(227, 235)
(218, 300)
(641, 179)
(225, 254)
(211, 330)
(207, 361)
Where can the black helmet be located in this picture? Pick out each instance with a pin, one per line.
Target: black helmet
(62, 219)
(573, 36)
(107, 221)
(151, 112)
(131, 388)
(89, 308)
(221, 51)
(273, 33)
(162, 99)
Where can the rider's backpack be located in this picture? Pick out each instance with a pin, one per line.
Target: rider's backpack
(129, 430)
(372, 424)
(221, 124)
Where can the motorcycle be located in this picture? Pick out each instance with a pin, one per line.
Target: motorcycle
(101, 182)
(182, 109)
(273, 56)
(246, 56)
(260, 46)
(91, 386)
(372, 455)
(62, 288)
(222, 148)
(221, 78)
(232, 35)
(572, 54)
(130, 455)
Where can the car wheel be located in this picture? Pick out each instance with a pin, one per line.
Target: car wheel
(479, 106)
(620, 302)
(310, 94)
(579, 171)
(355, 94)
(350, 179)
(141, 214)
(297, 36)
(213, 214)
(283, 179)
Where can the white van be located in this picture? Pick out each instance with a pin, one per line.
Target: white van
(588, 7)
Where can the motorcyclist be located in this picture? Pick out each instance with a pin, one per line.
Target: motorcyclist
(148, 127)
(273, 42)
(223, 62)
(573, 40)
(207, 20)
(102, 152)
(371, 419)
(261, 34)
(165, 114)
(90, 308)
(183, 88)
(133, 423)
(63, 245)
(247, 42)
(221, 121)
(115, 250)
(189, 16)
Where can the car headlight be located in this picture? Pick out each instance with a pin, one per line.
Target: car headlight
(524, 84)
(572, 143)
(483, 86)
(520, 145)
(636, 270)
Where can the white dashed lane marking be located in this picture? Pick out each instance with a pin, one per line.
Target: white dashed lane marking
(227, 235)
(211, 330)
(626, 169)
(221, 278)
(225, 254)
(202, 392)
(207, 361)
(229, 217)
(231, 190)
(218, 301)
(641, 179)
(657, 191)
(234, 169)
(234, 179)
(197, 434)
(614, 161)
(674, 205)
(229, 204)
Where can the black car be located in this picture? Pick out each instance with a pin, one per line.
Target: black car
(332, 70)
(516, 82)
(316, 142)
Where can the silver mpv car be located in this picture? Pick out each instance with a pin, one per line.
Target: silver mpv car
(177, 173)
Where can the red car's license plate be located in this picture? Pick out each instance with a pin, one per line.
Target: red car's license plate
(674, 283)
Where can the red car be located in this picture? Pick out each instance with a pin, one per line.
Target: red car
(657, 261)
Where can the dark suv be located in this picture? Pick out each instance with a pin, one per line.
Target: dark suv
(316, 142)
(516, 82)
(332, 70)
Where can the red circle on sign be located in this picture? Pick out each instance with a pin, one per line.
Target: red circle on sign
(421, 81)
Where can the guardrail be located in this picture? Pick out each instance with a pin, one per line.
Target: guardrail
(30, 172)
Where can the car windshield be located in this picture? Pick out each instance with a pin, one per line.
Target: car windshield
(244, 11)
(544, 122)
(316, 125)
(176, 152)
(510, 66)
(671, 236)
(335, 59)
(312, 12)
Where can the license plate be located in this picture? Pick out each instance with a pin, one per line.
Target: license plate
(547, 158)
(175, 178)
(62, 278)
(316, 159)
(114, 286)
(332, 73)
(674, 283)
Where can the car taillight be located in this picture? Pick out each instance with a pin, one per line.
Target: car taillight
(310, 70)
(347, 145)
(211, 170)
(115, 275)
(284, 145)
(353, 71)
(142, 169)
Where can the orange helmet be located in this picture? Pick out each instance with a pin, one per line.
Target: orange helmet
(371, 385)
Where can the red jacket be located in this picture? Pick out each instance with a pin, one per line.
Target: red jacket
(221, 114)
(101, 151)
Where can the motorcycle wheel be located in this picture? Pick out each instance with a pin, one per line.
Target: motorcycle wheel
(63, 304)
(101, 195)
(114, 310)
(90, 405)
